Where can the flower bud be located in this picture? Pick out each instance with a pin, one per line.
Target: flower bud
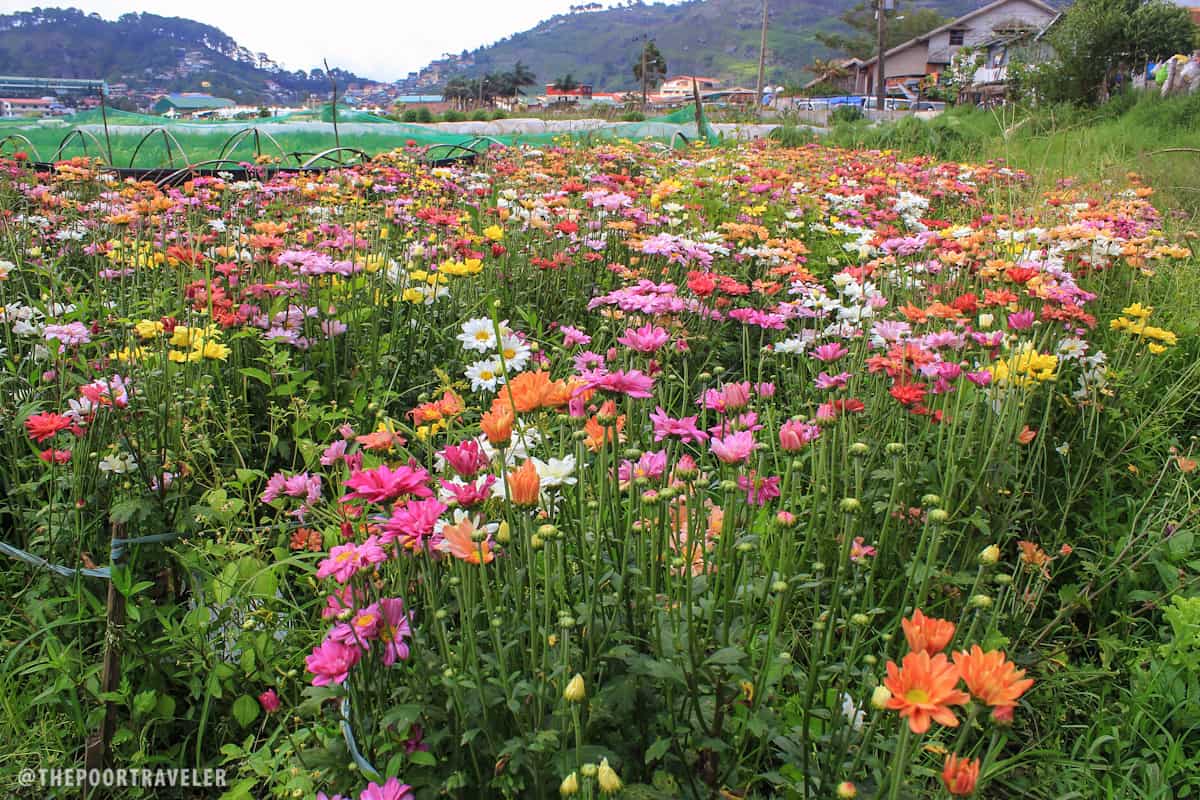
(860, 620)
(930, 500)
(846, 791)
(588, 770)
(981, 601)
(938, 515)
(989, 556)
(575, 691)
(503, 533)
(859, 449)
(779, 586)
(880, 698)
(569, 786)
(894, 448)
(606, 776)
(547, 531)
(1003, 579)
(851, 505)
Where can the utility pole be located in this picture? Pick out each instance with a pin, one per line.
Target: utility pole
(762, 60)
(645, 47)
(880, 69)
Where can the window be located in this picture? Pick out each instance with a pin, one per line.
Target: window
(956, 37)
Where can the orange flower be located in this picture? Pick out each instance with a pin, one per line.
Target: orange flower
(1032, 555)
(1026, 435)
(1186, 465)
(991, 678)
(598, 434)
(457, 541)
(449, 405)
(497, 424)
(524, 485)
(923, 689)
(528, 390)
(380, 440)
(927, 633)
(960, 775)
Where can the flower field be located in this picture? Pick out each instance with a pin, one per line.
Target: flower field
(722, 472)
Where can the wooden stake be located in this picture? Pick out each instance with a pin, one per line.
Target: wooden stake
(110, 676)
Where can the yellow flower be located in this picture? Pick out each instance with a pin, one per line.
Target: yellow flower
(575, 691)
(148, 328)
(214, 350)
(494, 232)
(413, 296)
(606, 776)
(1026, 367)
(178, 356)
(569, 786)
(1138, 310)
(127, 354)
(1156, 348)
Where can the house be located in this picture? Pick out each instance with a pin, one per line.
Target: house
(25, 106)
(581, 92)
(188, 103)
(931, 53)
(681, 85)
(988, 63)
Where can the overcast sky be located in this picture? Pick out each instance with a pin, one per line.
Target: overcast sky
(373, 38)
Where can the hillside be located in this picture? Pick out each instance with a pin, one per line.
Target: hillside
(145, 51)
(719, 38)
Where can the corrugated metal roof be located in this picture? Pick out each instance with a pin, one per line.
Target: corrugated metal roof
(197, 101)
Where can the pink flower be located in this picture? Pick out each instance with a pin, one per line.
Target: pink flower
(730, 397)
(734, 448)
(392, 790)
(830, 351)
(825, 381)
(574, 336)
(299, 485)
(633, 383)
(331, 662)
(759, 490)
(269, 701)
(342, 600)
(796, 435)
(685, 427)
(981, 378)
(859, 551)
(466, 458)
(334, 453)
(470, 494)
(1021, 320)
(645, 339)
(764, 389)
(360, 630)
(650, 465)
(383, 483)
(346, 559)
(412, 522)
(394, 630)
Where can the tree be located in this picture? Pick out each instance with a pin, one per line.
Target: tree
(566, 83)
(828, 70)
(1094, 38)
(521, 75)
(861, 41)
(650, 67)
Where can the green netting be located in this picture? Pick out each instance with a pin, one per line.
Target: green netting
(135, 142)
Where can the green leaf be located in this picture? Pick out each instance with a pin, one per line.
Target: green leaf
(726, 655)
(657, 750)
(422, 758)
(144, 702)
(258, 374)
(245, 710)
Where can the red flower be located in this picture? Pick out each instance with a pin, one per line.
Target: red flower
(43, 426)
